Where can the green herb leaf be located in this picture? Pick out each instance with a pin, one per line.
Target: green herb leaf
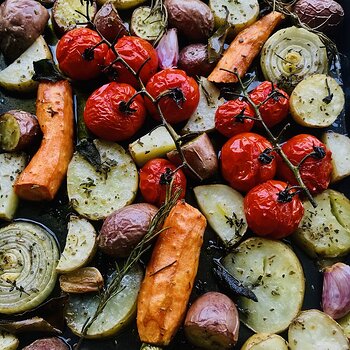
(45, 69)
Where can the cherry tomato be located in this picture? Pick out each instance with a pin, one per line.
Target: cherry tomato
(273, 210)
(275, 109)
(315, 169)
(182, 103)
(135, 51)
(153, 178)
(229, 118)
(78, 56)
(107, 116)
(247, 160)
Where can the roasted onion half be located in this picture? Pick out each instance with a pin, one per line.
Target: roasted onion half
(28, 259)
(291, 55)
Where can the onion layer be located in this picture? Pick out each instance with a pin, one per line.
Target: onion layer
(28, 259)
(291, 55)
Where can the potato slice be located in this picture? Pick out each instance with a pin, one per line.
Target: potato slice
(274, 273)
(118, 312)
(241, 13)
(18, 75)
(123, 4)
(317, 101)
(81, 244)
(96, 194)
(11, 165)
(224, 210)
(8, 341)
(203, 119)
(320, 233)
(155, 144)
(313, 330)
(340, 208)
(264, 341)
(344, 323)
(339, 145)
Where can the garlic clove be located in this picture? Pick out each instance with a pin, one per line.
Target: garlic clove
(168, 49)
(336, 290)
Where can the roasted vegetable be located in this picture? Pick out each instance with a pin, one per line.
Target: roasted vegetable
(21, 23)
(80, 245)
(223, 208)
(345, 324)
(317, 101)
(28, 266)
(212, 322)
(65, 14)
(18, 75)
(8, 341)
(264, 341)
(44, 174)
(18, 130)
(244, 48)
(321, 233)
(47, 343)
(34, 324)
(168, 49)
(274, 273)
(313, 329)
(199, 154)
(96, 193)
(123, 4)
(124, 228)
(339, 145)
(11, 165)
(192, 18)
(170, 275)
(292, 54)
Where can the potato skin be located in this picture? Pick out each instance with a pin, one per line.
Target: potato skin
(325, 15)
(193, 59)
(193, 18)
(21, 23)
(123, 229)
(47, 343)
(108, 22)
(212, 322)
(29, 129)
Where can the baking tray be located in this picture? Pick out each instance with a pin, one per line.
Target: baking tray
(55, 217)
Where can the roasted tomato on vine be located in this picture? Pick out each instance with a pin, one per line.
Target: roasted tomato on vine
(233, 117)
(273, 209)
(313, 158)
(178, 95)
(80, 54)
(247, 160)
(139, 54)
(275, 108)
(155, 175)
(111, 115)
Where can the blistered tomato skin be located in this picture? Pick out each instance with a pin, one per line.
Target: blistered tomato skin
(275, 109)
(135, 51)
(166, 80)
(77, 55)
(230, 118)
(152, 188)
(241, 163)
(269, 216)
(315, 171)
(105, 117)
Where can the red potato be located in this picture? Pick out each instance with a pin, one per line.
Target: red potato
(47, 344)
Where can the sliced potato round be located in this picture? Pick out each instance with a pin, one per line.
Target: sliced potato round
(265, 341)
(320, 232)
(80, 245)
(241, 13)
(314, 330)
(18, 75)
(124, 4)
(274, 273)
(339, 145)
(96, 194)
(119, 310)
(340, 208)
(224, 210)
(344, 323)
(317, 101)
(8, 341)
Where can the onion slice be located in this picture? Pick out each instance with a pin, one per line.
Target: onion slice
(291, 55)
(28, 259)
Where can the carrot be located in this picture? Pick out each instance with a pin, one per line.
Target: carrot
(244, 48)
(170, 275)
(43, 176)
